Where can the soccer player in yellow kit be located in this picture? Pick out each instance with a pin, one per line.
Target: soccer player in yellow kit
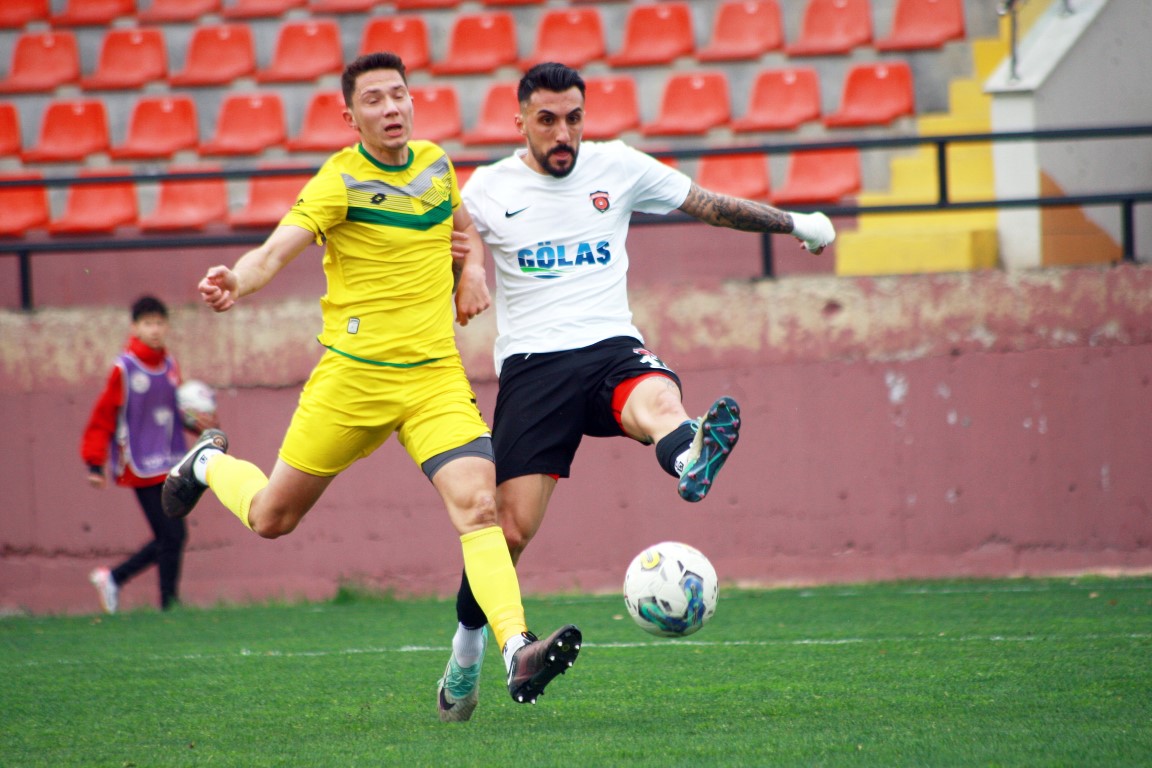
(385, 210)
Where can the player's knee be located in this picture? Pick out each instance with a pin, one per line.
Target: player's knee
(271, 526)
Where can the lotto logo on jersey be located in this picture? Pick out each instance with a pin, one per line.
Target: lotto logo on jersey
(547, 261)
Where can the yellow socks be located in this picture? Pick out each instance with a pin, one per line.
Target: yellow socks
(235, 482)
(494, 583)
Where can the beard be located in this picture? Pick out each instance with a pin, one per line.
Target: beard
(545, 161)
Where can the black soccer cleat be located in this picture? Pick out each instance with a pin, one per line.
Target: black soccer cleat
(539, 661)
(181, 488)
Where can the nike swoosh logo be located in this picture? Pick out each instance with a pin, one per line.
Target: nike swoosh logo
(510, 214)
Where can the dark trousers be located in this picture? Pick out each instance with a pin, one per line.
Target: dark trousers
(165, 551)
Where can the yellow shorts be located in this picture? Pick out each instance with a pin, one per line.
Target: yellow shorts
(349, 408)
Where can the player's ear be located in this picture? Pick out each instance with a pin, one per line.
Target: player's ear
(348, 118)
(519, 118)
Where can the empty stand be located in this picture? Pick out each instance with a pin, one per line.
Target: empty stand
(188, 203)
(172, 11)
(129, 58)
(655, 34)
(269, 198)
(406, 36)
(324, 129)
(479, 43)
(819, 176)
(159, 127)
(341, 6)
(41, 61)
(572, 36)
(513, 2)
(611, 106)
(99, 207)
(79, 13)
(217, 55)
(70, 130)
(404, 5)
(497, 117)
(436, 112)
(305, 50)
(833, 27)
(14, 14)
(744, 29)
(874, 94)
(255, 9)
(24, 208)
(10, 141)
(692, 103)
(740, 175)
(248, 124)
(918, 24)
(781, 100)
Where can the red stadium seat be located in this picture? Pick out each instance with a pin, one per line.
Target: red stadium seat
(833, 27)
(70, 130)
(497, 117)
(170, 11)
(10, 140)
(257, 9)
(479, 43)
(160, 126)
(741, 175)
(572, 36)
(408, 5)
(98, 13)
(744, 29)
(269, 198)
(818, 176)
(24, 208)
(655, 34)
(513, 2)
(41, 61)
(188, 203)
(874, 94)
(14, 14)
(919, 24)
(341, 6)
(406, 36)
(248, 124)
(100, 207)
(692, 103)
(217, 55)
(611, 106)
(305, 50)
(324, 129)
(781, 100)
(129, 58)
(437, 114)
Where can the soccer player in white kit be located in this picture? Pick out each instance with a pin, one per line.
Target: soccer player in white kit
(555, 216)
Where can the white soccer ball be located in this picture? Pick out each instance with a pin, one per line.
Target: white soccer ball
(194, 398)
(670, 589)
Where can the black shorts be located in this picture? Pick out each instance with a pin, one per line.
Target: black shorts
(549, 400)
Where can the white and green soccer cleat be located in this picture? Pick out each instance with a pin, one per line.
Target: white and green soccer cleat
(458, 692)
(716, 436)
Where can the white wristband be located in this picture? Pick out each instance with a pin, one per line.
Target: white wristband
(813, 230)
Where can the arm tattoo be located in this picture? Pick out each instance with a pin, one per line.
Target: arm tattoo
(734, 212)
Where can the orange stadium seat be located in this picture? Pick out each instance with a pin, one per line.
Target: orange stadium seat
(781, 100)
(188, 203)
(497, 117)
(406, 36)
(99, 207)
(159, 127)
(10, 141)
(437, 112)
(129, 58)
(247, 124)
(70, 130)
(833, 27)
(257, 9)
(99, 13)
(171, 11)
(24, 208)
(744, 29)
(41, 61)
(324, 129)
(14, 14)
(572, 36)
(611, 106)
(655, 34)
(217, 55)
(741, 175)
(918, 24)
(817, 176)
(269, 198)
(305, 50)
(874, 94)
(341, 6)
(479, 43)
(692, 103)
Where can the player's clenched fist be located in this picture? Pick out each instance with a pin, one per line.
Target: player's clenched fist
(218, 288)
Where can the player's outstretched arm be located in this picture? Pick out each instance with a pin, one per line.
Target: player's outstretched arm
(813, 230)
(221, 286)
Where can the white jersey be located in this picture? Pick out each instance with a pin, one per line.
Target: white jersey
(559, 244)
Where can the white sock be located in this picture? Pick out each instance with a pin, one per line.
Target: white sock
(467, 645)
(200, 465)
(515, 643)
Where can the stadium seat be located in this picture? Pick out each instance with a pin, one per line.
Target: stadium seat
(24, 208)
(324, 129)
(172, 11)
(14, 14)
(406, 36)
(832, 27)
(611, 106)
(692, 103)
(919, 24)
(269, 198)
(740, 175)
(99, 207)
(744, 29)
(10, 140)
(305, 50)
(70, 130)
(497, 117)
(874, 94)
(437, 112)
(817, 176)
(41, 61)
(217, 55)
(513, 2)
(479, 43)
(572, 36)
(129, 58)
(409, 5)
(188, 203)
(96, 13)
(655, 34)
(341, 6)
(159, 127)
(247, 124)
(258, 9)
(781, 100)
